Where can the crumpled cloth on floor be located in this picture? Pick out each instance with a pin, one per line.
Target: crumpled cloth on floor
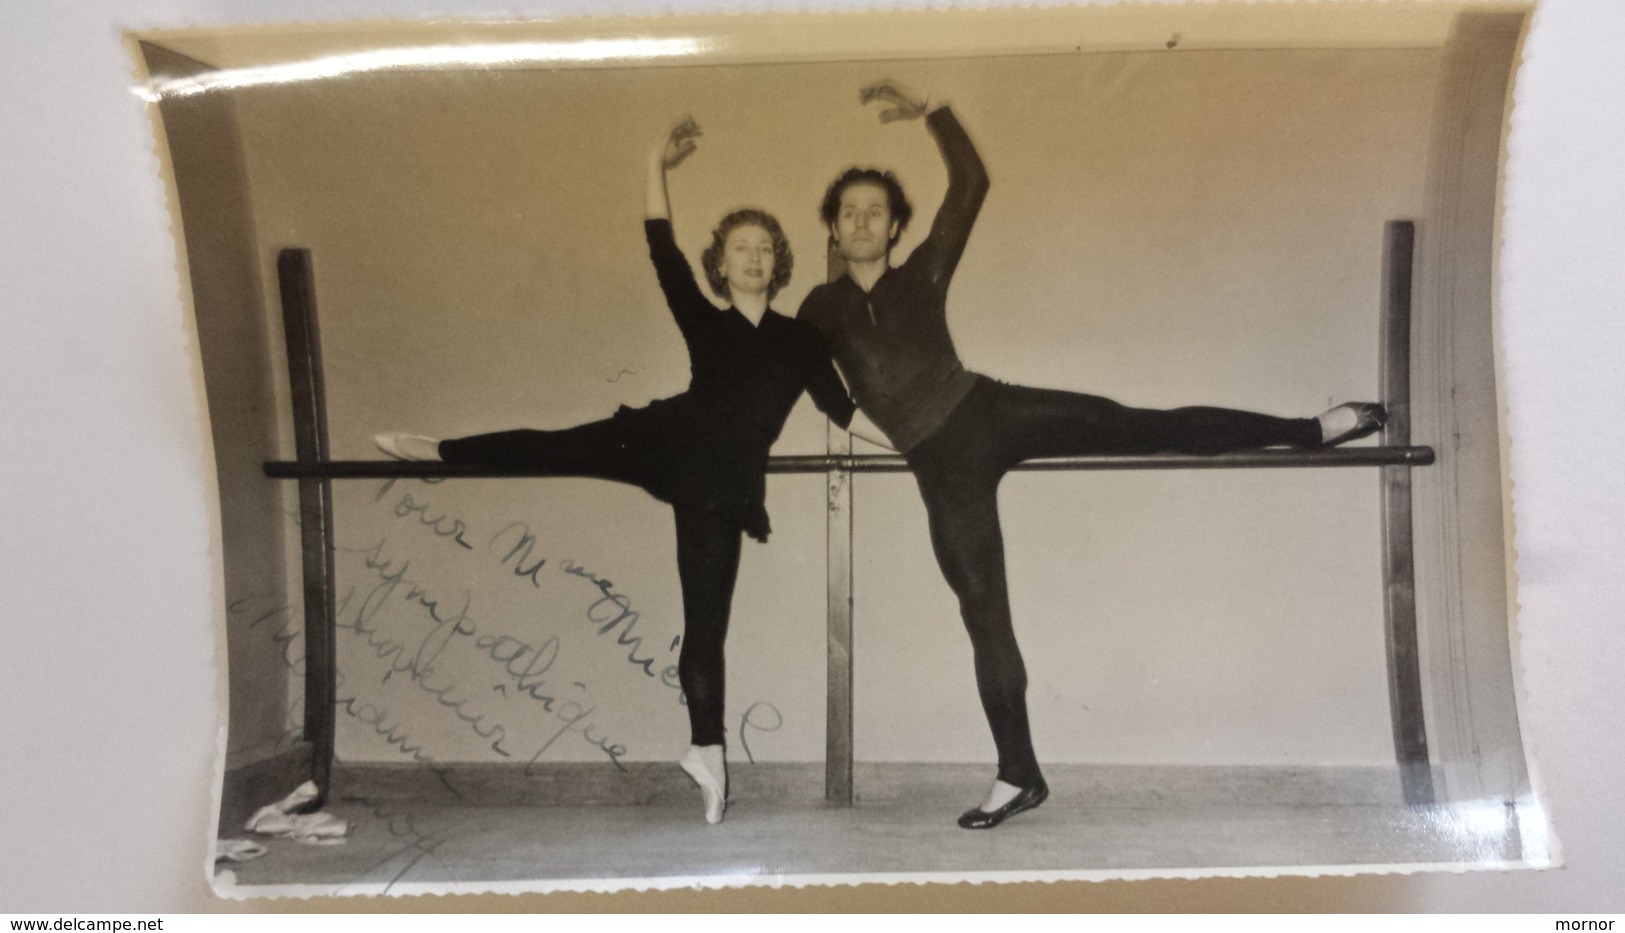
(279, 819)
(237, 850)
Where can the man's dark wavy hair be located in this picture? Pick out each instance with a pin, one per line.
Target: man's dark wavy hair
(783, 260)
(901, 210)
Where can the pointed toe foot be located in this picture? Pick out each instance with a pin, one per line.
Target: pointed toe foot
(1367, 417)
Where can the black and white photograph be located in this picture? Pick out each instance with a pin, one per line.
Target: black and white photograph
(784, 449)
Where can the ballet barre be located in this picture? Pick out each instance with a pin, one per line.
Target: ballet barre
(892, 463)
(1394, 458)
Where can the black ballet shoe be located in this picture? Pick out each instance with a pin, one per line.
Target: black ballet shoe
(1030, 797)
(1369, 419)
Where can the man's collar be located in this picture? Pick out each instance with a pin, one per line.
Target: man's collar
(848, 276)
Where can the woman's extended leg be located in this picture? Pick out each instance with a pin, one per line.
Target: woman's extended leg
(600, 449)
(708, 565)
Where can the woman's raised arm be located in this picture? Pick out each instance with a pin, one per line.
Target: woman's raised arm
(683, 296)
(667, 154)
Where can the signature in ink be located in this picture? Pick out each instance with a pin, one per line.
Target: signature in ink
(393, 734)
(420, 667)
(447, 625)
(519, 556)
(526, 666)
(573, 718)
(613, 610)
(391, 578)
(402, 825)
(290, 633)
(443, 525)
(756, 718)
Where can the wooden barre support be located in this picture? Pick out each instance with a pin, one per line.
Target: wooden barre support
(891, 463)
(1400, 623)
(297, 284)
(839, 539)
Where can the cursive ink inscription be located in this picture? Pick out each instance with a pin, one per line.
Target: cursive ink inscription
(393, 733)
(392, 581)
(419, 667)
(443, 525)
(521, 662)
(284, 638)
(416, 844)
(519, 557)
(574, 719)
(527, 665)
(756, 717)
(611, 611)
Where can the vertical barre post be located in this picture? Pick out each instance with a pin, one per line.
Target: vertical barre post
(298, 285)
(1398, 547)
(838, 747)
(838, 560)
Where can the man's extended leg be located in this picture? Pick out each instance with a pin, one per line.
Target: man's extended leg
(1051, 423)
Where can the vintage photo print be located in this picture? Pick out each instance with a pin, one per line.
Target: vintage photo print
(998, 445)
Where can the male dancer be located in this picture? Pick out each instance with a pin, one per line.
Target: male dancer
(961, 431)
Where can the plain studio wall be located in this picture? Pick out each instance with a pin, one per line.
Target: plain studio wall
(222, 257)
(1163, 229)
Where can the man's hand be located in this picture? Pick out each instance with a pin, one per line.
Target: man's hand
(905, 104)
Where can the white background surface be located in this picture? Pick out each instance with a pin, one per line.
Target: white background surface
(108, 693)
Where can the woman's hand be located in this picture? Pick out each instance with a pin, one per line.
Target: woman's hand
(864, 429)
(679, 143)
(667, 154)
(906, 105)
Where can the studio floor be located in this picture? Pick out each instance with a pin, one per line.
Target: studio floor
(416, 845)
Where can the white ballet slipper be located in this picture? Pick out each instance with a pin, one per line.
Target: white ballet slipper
(715, 791)
(1351, 421)
(408, 446)
(238, 850)
(301, 795)
(318, 828)
(283, 819)
(269, 821)
(276, 819)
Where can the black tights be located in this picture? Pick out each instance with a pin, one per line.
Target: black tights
(958, 469)
(708, 545)
(708, 564)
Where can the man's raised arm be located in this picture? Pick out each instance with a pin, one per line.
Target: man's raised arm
(967, 188)
(967, 177)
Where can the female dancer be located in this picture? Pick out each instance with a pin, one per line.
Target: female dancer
(704, 451)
